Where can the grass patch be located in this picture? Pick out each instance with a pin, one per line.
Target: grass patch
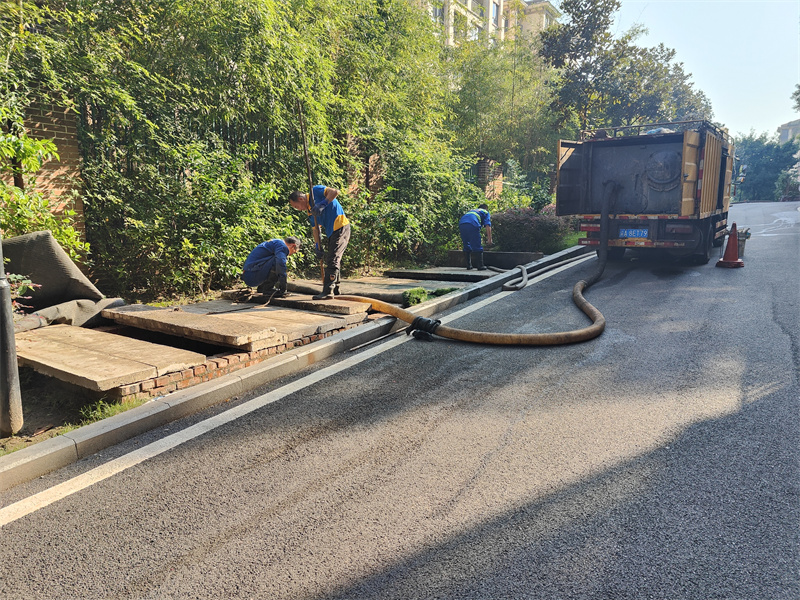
(571, 239)
(414, 296)
(419, 295)
(102, 410)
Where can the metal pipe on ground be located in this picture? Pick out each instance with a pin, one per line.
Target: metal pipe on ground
(11, 419)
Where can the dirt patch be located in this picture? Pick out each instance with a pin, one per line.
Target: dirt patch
(48, 409)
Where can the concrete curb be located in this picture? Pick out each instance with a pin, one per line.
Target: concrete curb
(55, 453)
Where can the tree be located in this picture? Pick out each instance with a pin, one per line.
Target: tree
(796, 97)
(610, 81)
(765, 160)
(583, 50)
(647, 86)
(502, 109)
(189, 125)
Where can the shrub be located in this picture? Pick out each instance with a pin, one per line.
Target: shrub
(526, 230)
(160, 234)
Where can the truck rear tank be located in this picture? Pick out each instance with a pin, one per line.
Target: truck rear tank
(671, 186)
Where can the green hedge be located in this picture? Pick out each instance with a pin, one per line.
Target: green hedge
(527, 230)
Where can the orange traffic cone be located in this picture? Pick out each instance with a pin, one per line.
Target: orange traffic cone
(731, 258)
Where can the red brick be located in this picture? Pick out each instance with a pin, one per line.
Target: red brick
(199, 370)
(127, 390)
(184, 383)
(149, 384)
(165, 389)
(162, 381)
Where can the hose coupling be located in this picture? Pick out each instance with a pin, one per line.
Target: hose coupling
(424, 327)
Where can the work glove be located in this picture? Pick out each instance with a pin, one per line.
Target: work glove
(318, 208)
(280, 288)
(318, 252)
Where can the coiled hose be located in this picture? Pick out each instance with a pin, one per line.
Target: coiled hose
(427, 327)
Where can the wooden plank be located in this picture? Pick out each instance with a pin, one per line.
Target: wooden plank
(289, 330)
(206, 328)
(95, 370)
(337, 307)
(324, 322)
(270, 315)
(165, 359)
(215, 307)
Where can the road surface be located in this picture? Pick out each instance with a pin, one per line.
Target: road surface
(659, 460)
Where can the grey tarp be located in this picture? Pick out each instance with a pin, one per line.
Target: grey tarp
(65, 294)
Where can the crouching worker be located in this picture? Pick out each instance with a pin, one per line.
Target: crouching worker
(470, 229)
(265, 267)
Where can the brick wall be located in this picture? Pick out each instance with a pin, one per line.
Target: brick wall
(58, 179)
(215, 366)
(490, 178)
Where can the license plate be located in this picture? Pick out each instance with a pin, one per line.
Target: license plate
(633, 233)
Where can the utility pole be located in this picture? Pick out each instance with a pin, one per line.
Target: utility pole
(10, 397)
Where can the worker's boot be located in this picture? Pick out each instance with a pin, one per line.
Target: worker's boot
(336, 283)
(268, 286)
(327, 284)
(468, 259)
(479, 261)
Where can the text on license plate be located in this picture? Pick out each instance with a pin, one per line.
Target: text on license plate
(633, 233)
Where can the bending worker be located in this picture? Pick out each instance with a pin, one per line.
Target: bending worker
(265, 266)
(470, 228)
(326, 212)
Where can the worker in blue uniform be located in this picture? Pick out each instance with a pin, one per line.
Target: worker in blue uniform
(265, 266)
(324, 211)
(470, 226)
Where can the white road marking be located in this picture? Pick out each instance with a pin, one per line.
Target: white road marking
(26, 506)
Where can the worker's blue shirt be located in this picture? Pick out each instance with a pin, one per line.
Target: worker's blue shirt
(329, 215)
(477, 217)
(262, 259)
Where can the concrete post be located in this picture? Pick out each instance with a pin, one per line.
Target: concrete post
(10, 397)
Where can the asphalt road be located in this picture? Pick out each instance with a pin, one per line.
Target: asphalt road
(659, 460)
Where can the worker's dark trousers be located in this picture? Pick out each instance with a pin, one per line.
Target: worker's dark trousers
(337, 244)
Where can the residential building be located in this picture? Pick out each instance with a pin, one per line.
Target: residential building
(498, 19)
(530, 18)
(788, 131)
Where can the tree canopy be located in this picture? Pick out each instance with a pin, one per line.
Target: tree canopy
(608, 81)
(767, 166)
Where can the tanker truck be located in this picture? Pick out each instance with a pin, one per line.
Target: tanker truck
(667, 185)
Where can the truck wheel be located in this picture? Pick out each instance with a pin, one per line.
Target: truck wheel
(706, 243)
